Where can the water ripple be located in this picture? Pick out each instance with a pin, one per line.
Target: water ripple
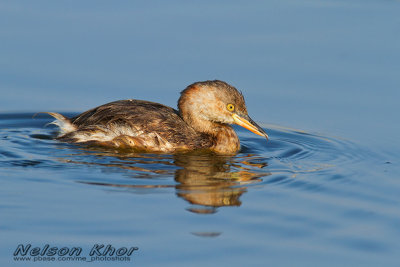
(208, 180)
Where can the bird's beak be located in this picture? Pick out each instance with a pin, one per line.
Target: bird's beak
(246, 122)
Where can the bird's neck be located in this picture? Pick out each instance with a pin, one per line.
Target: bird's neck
(225, 139)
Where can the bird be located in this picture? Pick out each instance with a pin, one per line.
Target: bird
(202, 122)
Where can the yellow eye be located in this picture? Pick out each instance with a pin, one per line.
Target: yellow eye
(230, 107)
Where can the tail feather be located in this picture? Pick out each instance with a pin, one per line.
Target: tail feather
(65, 125)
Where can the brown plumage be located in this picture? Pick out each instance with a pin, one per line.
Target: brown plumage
(205, 110)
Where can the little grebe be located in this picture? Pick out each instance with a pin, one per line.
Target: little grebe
(204, 111)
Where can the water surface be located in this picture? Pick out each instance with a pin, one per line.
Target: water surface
(300, 194)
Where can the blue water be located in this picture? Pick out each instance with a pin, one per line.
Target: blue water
(320, 77)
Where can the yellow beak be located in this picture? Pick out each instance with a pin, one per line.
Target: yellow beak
(246, 122)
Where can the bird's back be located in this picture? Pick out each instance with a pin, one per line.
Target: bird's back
(136, 124)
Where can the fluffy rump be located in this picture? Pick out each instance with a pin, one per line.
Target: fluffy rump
(62, 122)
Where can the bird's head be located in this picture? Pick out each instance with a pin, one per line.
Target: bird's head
(203, 104)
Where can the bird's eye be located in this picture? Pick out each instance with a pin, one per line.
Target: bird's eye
(230, 107)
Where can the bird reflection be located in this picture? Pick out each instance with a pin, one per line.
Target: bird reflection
(207, 181)
(212, 181)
